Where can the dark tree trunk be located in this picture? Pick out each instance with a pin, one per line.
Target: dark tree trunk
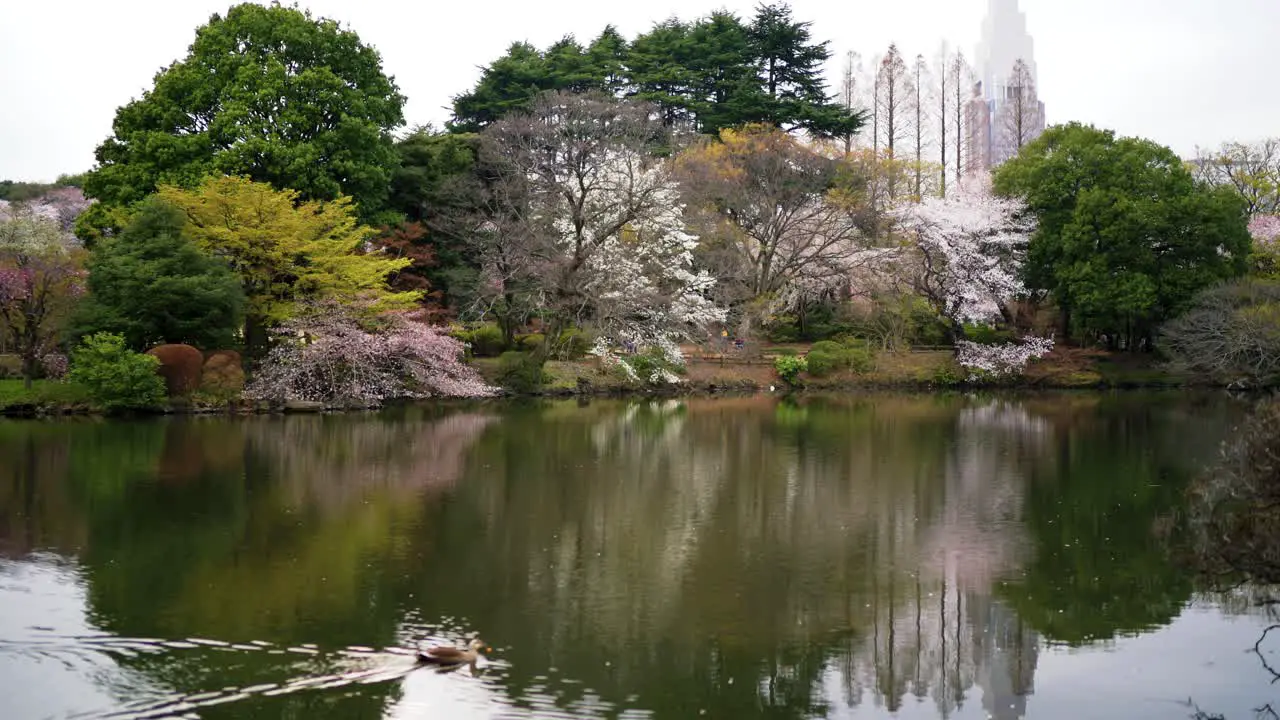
(507, 320)
(256, 342)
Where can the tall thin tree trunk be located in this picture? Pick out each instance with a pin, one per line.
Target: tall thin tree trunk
(958, 81)
(919, 127)
(942, 116)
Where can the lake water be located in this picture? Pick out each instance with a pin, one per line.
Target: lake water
(853, 557)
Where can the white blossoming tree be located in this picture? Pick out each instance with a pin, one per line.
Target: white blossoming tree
(587, 220)
(963, 255)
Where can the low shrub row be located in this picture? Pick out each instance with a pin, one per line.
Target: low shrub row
(827, 357)
(487, 341)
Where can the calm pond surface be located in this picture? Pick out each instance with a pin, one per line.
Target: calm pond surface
(853, 557)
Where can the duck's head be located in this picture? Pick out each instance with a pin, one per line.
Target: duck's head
(479, 646)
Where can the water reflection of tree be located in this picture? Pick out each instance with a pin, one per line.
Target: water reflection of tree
(665, 549)
(1099, 570)
(36, 516)
(705, 539)
(741, 556)
(288, 530)
(1230, 534)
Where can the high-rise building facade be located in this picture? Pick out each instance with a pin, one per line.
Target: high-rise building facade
(1005, 111)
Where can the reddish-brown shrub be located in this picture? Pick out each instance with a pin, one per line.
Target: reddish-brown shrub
(180, 366)
(224, 356)
(223, 374)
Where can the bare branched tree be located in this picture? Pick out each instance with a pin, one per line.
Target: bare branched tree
(961, 81)
(1021, 115)
(893, 99)
(772, 225)
(1226, 336)
(942, 97)
(919, 128)
(849, 90)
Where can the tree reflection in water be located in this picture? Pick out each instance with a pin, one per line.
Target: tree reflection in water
(741, 556)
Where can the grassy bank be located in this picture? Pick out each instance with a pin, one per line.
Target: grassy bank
(1065, 368)
(43, 396)
(921, 370)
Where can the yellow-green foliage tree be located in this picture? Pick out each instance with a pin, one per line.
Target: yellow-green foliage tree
(286, 251)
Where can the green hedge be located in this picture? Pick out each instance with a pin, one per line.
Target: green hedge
(789, 367)
(828, 357)
(485, 341)
(115, 377)
(519, 372)
(10, 367)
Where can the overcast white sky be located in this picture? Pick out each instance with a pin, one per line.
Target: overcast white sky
(1182, 72)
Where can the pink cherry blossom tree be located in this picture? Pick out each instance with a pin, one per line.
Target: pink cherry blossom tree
(41, 276)
(60, 204)
(326, 355)
(1265, 228)
(963, 255)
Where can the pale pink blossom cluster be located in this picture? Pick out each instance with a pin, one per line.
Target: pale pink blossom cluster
(61, 205)
(970, 249)
(13, 284)
(971, 245)
(1000, 360)
(326, 356)
(55, 366)
(1265, 229)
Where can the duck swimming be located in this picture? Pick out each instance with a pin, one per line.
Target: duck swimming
(446, 655)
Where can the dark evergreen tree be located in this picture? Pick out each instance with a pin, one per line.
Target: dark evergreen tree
(725, 91)
(570, 68)
(659, 67)
(608, 57)
(703, 76)
(790, 64)
(507, 85)
(152, 285)
(439, 191)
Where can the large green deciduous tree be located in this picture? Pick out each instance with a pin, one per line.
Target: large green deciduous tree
(1126, 235)
(268, 93)
(153, 285)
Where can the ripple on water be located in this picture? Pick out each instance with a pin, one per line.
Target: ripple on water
(95, 685)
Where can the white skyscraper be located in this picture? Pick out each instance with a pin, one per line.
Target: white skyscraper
(1005, 112)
